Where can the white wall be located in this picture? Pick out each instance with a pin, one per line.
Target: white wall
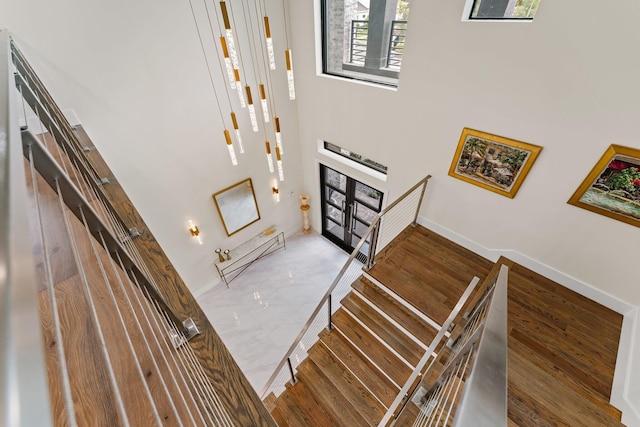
(134, 73)
(566, 82)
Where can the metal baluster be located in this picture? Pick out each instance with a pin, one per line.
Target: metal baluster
(62, 360)
(169, 348)
(112, 379)
(120, 318)
(133, 314)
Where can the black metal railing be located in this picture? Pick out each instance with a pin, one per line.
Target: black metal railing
(358, 45)
(396, 43)
(395, 47)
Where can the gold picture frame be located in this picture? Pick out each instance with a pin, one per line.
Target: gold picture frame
(612, 188)
(493, 162)
(237, 206)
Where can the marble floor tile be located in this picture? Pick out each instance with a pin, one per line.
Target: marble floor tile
(266, 306)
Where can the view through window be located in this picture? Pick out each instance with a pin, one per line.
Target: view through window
(504, 9)
(364, 39)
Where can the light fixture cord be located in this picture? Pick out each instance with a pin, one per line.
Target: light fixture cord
(218, 48)
(206, 60)
(254, 55)
(233, 19)
(271, 98)
(284, 13)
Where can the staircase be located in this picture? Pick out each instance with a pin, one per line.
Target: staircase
(561, 352)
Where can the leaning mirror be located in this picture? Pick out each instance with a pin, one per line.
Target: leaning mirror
(237, 206)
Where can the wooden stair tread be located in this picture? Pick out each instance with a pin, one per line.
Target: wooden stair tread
(278, 417)
(368, 373)
(347, 383)
(270, 401)
(333, 401)
(383, 328)
(297, 406)
(398, 312)
(397, 370)
(409, 414)
(423, 260)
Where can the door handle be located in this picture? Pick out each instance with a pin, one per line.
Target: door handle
(351, 215)
(342, 213)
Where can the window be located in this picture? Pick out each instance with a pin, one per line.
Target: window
(364, 39)
(356, 157)
(504, 9)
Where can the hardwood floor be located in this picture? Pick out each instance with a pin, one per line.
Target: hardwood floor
(562, 347)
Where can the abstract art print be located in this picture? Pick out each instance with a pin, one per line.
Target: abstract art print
(493, 162)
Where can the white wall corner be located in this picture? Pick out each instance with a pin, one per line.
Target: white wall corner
(625, 394)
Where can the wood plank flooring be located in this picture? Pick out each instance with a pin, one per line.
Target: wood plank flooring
(561, 352)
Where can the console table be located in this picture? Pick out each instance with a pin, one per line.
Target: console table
(249, 252)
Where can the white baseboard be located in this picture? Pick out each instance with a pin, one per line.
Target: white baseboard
(565, 280)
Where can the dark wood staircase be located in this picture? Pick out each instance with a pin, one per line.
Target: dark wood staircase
(561, 353)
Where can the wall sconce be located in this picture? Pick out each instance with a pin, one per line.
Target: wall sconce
(275, 190)
(195, 232)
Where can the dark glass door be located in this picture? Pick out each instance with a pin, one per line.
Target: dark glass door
(348, 208)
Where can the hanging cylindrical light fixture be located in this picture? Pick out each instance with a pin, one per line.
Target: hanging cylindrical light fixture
(291, 83)
(227, 63)
(252, 110)
(236, 75)
(269, 158)
(237, 129)
(279, 163)
(270, 54)
(263, 102)
(229, 35)
(278, 134)
(232, 153)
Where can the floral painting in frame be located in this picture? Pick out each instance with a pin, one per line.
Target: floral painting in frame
(612, 188)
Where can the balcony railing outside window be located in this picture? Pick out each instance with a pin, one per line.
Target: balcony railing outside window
(396, 43)
(358, 45)
(364, 43)
(359, 34)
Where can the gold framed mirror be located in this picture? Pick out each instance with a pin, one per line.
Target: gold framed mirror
(237, 206)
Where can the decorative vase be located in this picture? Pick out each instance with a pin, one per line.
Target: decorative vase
(228, 254)
(220, 257)
(304, 207)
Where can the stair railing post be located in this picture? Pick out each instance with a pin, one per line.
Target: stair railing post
(330, 326)
(373, 243)
(293, 377)
(424, 188)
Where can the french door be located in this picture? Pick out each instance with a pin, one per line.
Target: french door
(348, 208)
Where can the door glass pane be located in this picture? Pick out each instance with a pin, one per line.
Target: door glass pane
(368, 195)
(360, 229)
(334, 197)
(335, 179)
(335, 229)
(334, 213)
(364, 214)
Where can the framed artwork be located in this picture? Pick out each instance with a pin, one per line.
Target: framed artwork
(493, 162)
(612, 188)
